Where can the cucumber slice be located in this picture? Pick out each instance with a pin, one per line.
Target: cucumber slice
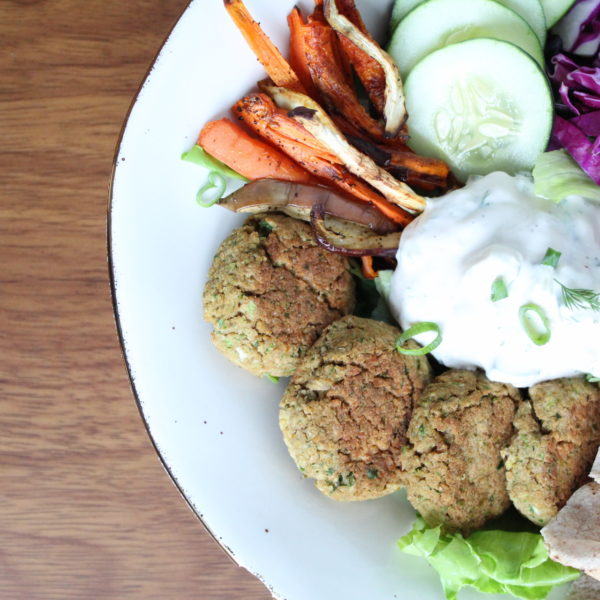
(530, 10)
(438, 23)
(400, 9)
(555, 9)
(482, 105)
(533, 13)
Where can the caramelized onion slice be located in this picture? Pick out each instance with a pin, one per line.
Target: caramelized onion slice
(351, 239)
(394, 111)
(296, 200)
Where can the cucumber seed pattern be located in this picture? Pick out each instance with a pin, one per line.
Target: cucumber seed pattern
(475, 120)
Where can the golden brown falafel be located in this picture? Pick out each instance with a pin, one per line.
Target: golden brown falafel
(271, 291)
(558, 432)
(454, 471)
(345, 412)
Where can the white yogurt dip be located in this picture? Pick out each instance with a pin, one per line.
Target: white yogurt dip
(497, 229)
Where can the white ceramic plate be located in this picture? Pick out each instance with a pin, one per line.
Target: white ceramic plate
(215, 426)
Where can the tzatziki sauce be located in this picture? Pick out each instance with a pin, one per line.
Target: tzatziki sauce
(496, 229)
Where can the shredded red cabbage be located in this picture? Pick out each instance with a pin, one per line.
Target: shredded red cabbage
(575, 75)
(589, 123)
(579, 29)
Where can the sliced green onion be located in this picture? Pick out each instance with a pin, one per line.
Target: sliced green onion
(272, 378)
(212, 191)
(199, 156)
(499, 290)
(551, 257)
(416, 329)
(537, 337)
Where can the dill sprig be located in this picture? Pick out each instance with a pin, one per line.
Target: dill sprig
(575, 298)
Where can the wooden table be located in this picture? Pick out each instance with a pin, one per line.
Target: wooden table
(87, 510)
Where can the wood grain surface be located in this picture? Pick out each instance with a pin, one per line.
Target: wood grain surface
(87, 510)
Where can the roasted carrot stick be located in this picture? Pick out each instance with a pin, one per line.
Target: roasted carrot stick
(267, 53)
(327, 73)
(318, 16)
(249, 156)
(367, 69)
(253, 108)
(367, 267)
(298, 53)
(261, 115)
(349, 10)
(419, 171)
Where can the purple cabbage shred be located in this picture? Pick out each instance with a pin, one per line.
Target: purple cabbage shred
(575, 75)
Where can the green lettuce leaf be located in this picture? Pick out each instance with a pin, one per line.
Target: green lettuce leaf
(556, 175)
(383, 283)
(491, 561)
(198, 156)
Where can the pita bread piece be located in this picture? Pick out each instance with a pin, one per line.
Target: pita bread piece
(573, 536)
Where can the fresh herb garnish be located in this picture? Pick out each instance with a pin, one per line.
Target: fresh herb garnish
(212, 191)
(531, 327)
(592, 378)
(416, 329)
(272, 378)
(575, 298)
(551, 257)
(499, 290)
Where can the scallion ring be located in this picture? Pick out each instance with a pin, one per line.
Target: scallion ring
(212, 191)
(535, 335)
(551, 258)
(416, 329)
(499, 290)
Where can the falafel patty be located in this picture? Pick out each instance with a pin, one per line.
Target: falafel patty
(454, 471)
(345, 412)
(271, 290)
(558, 432)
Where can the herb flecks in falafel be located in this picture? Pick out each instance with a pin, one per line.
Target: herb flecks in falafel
(558, 432)
(271, 291)
(345, 412)
(454, 471)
